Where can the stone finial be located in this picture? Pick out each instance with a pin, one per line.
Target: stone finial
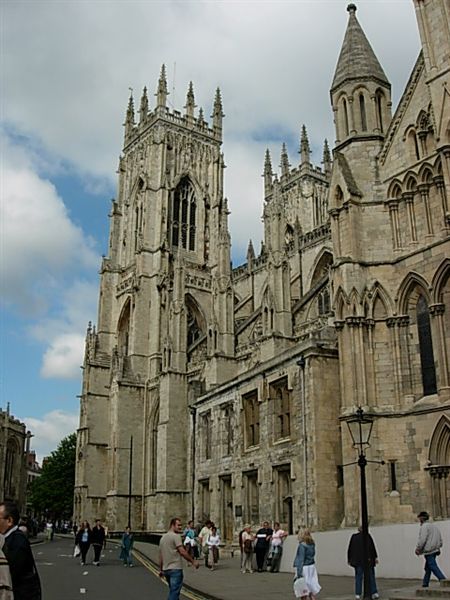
(143, 111)
(217, 115)
(201, 117)
(268, 174)
(161, 92)
(250, 251)
(190, 101)
(326, 160)
(284, 164)
(305, 150)
(351, 8)
(129, 117)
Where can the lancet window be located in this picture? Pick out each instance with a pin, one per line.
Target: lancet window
(426, 347)
(184, 215)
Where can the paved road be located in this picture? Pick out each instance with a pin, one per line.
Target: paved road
(63, 578)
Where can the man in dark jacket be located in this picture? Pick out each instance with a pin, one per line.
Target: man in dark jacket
(24, 575)
(355, 554)
(97, 541)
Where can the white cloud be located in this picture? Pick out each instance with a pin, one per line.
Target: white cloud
(63, 358)
(39, 241)
(50, 430)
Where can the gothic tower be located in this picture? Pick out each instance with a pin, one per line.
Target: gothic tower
(165, 304)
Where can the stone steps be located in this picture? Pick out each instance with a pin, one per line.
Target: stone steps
(443, 591)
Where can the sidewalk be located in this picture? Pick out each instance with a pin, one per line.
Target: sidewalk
(227, 582)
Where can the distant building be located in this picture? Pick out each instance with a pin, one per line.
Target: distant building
(13, 468)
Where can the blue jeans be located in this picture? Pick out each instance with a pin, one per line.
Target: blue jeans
(359, 576)
(431, 567)
(174, 578)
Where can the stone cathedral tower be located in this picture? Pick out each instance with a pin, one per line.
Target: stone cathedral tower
(221, 392)
(169, 255)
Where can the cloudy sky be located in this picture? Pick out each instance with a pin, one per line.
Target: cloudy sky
(66, 67)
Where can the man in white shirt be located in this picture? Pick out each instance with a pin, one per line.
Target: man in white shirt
(429, 544)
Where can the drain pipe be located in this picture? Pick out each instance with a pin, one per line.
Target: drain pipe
(301, 362)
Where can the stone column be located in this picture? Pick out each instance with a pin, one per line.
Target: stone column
(424, 194)
(437, 323)
(409, 199)
(393, 214)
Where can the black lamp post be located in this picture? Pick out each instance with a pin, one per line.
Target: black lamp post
(360, 426)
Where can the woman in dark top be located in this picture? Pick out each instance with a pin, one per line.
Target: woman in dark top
(83, 539)
(262, 546)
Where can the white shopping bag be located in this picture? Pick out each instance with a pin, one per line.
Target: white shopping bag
(76, 551)
(300, 588)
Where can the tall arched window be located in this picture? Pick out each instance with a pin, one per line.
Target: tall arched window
(344, 104)
(378, 100)
(426, 347)
(10, 464)
(184, 215)
(362, 109)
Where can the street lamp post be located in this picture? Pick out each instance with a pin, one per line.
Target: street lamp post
(360, 426)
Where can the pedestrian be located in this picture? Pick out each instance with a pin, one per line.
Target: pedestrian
(247, 546)
(97, 541)
(126, 547)
(83, 539)
(48, 530)
(429, 545)
(24, 576)
(276, 547)
(305, 563)
(203, 536)
(171, 552)
(189, 535)
(213, 546)
(355, 554)
(6, 592)
(262, 546)
(241, 548)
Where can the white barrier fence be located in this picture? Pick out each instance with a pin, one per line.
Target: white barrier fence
(395, 546)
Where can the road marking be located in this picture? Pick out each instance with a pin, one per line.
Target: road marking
(82, 590)
(86, 573)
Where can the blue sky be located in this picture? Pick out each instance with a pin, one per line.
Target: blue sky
(67, 68)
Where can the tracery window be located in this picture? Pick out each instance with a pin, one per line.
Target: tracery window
(193, 328)
(184, 210)
(426, 347)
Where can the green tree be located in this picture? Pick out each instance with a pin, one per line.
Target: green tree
(52, 492)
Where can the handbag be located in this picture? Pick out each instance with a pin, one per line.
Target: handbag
(300, 588)
(76, 551)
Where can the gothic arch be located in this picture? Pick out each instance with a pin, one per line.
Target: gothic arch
(426, 173)
(355, 303)
(123, 328)
(320, 267)
(395, 189)
(411, 281)
(440, 280)
(411, 182)
(439, 453)
(380, 302)
(439, 467)
(338, 196)
(195, 320)
(340, 301)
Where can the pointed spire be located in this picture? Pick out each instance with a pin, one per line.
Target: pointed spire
(217, 115)
(250, 252)
(326, 160)
(268, 174)
(143, 111)
(201, 118)
(129, 117)
(161, 92)
(190, 101)
(357, 59)
(305, 150)
(284, 164)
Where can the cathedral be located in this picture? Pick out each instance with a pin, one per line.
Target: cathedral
(224, 392)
